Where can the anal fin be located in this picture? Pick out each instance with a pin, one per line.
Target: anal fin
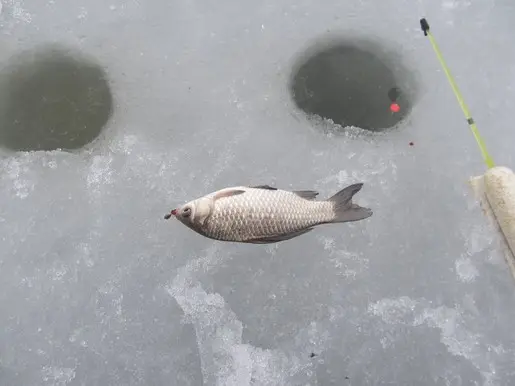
(278, 238)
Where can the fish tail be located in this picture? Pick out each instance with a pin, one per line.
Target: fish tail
(344, 209)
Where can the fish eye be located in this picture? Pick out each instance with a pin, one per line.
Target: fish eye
(186, 212)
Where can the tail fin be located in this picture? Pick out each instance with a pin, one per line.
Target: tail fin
(344, 209)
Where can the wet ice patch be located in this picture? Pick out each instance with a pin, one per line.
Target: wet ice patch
(465, 270)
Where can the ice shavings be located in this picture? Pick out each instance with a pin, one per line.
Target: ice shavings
(15, 8)
(132, 158)
(57, 376)
(17, 175)
(100, 174)
(465, 270)
(479, 237)
(347, 264)
(225, 359)
(224, 159)
(374, 170)
(454, 332)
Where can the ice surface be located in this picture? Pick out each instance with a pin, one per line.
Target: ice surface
(97, 289)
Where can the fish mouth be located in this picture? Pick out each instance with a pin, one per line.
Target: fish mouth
(172, 213)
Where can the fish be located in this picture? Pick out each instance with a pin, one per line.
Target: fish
(263, 214)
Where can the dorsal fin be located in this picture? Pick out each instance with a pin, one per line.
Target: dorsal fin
(307, 194)
(267, 187)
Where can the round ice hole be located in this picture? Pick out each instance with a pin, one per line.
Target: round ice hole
(352, 84)
(52, 98)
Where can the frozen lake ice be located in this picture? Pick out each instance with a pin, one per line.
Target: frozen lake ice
(97, 289)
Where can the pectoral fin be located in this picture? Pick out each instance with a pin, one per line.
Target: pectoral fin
(227, 193)
(278, 238)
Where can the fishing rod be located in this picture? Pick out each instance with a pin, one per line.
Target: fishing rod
(470, 121)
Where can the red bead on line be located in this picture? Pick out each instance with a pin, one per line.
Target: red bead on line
(395, 108)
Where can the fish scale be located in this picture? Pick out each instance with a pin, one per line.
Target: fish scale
(263, 214)
(260, 213)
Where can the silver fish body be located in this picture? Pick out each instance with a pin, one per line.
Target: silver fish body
(263, 214)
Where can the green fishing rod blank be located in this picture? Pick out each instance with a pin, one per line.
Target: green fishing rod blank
(470, 121)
